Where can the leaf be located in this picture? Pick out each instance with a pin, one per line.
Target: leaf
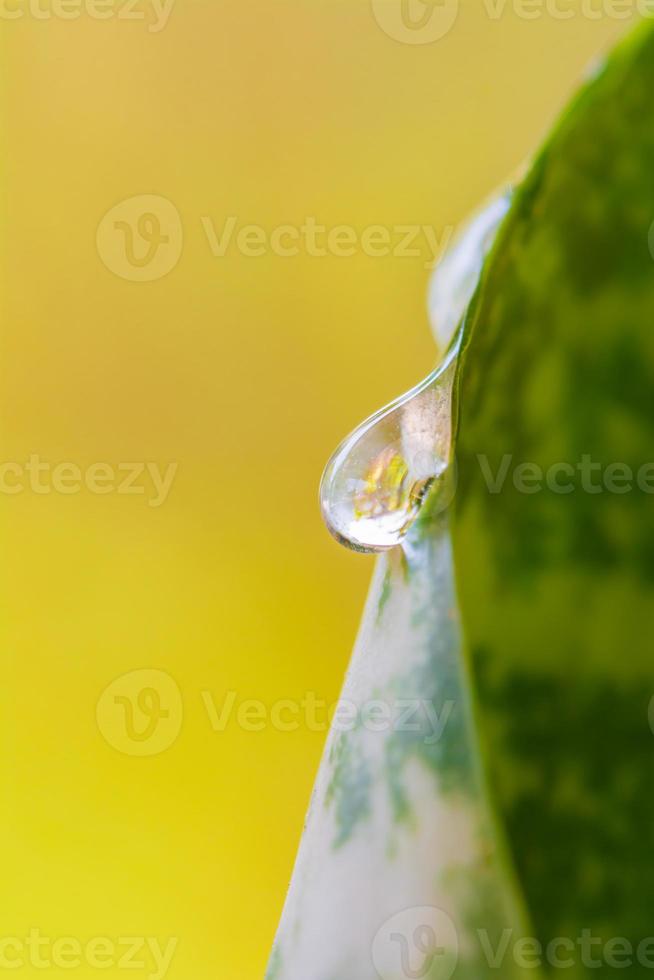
(557, 588)
(400, 861)
(428, 856)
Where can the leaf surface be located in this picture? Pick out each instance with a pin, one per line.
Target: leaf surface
(555, 572)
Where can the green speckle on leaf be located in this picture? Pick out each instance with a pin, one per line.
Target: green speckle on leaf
(349, 788)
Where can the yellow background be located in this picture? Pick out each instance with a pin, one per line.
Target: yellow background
(246, 372)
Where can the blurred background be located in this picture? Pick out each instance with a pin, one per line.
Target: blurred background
(176, 618)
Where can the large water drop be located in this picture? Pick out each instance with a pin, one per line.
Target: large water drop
(376, 481)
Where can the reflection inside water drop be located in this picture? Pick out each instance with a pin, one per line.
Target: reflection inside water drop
(376, 481)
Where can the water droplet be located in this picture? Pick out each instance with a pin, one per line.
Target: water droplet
(377, 480)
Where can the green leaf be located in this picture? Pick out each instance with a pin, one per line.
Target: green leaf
(557, 589)
(400, 847)
(530, 814)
